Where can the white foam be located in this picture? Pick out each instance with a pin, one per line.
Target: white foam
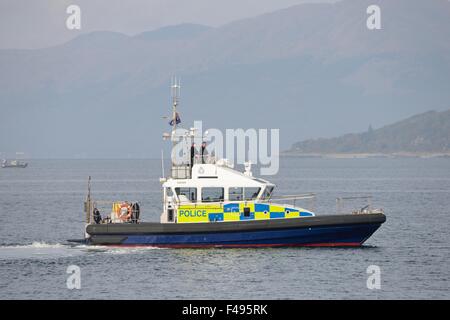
(35, 244)
(128, 250)
(39, 249)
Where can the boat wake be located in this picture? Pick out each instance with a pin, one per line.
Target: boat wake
(35, 250)
(33, 245)
(43, 250)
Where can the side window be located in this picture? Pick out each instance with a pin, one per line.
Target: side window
(211, 194)
(235, 194)
(189, 193)
(267, 193)
(169, 192)
(251, 193)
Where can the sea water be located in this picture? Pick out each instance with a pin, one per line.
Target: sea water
(42, 206)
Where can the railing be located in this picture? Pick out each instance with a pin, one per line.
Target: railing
(367, 208)
(206, 159)
(102, 206)
(293, 198)
(184, 171)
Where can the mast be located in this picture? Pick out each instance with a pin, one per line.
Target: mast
(175, 91)
(88, 207)
(181, 170)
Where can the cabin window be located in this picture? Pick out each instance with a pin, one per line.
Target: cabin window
(189, 193)
(235, 194)
(251, 193)
(212, 194)
(169, 192)
(267, 193)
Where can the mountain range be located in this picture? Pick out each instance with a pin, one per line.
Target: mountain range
(311, 70)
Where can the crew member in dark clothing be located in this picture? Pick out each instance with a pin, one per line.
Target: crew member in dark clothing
(193, 152)
(204, 152)
(97, 216)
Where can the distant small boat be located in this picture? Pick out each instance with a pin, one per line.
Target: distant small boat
(14, 164)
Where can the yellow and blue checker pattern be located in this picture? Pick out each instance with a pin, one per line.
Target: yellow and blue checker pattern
(202, 212)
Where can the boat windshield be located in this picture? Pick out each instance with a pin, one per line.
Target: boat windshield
(267, 193)
(251, 193)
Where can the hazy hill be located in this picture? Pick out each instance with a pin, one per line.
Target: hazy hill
(428, 132)
(181, 31)
(311, 70)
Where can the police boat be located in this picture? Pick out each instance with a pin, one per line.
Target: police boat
(208, 203)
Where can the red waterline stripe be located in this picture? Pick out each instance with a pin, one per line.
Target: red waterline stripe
(337, 244)
(256, 245)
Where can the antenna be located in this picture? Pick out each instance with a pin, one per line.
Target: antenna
(88, 205)
(175, 92)
(89, 187)
(162, 163)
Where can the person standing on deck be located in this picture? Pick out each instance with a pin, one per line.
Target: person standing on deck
(204, 152)
(193, 153)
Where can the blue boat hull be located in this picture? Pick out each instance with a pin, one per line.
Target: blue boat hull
(320, 236)
(337, 234)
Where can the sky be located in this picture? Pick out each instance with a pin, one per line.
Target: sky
(26, 24)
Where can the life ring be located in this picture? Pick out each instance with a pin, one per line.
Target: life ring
(125, 216)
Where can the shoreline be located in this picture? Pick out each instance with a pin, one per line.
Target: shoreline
(424, 155)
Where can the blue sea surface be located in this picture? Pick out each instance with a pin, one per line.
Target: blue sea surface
(42, 206)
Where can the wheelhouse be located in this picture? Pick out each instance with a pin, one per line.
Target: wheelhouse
(217, 192)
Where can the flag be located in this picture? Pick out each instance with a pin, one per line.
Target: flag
(177, 119)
